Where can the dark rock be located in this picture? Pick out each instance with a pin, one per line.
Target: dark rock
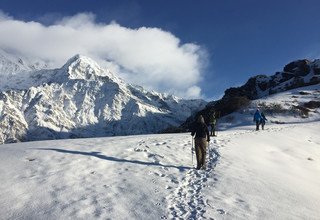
(312, 104)
(299, 67)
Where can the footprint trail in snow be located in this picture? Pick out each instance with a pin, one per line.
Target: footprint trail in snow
(187, 201)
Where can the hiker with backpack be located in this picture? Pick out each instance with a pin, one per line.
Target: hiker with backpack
(201, 138)
(257, 119)
(263, 120)
(212, 123)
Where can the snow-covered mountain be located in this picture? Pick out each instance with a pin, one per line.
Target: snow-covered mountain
(81, 99)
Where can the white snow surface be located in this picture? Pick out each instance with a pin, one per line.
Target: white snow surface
(266, 174)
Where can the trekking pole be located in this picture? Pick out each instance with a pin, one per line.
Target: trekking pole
(192, 149)
(217, 123)
(208, 152)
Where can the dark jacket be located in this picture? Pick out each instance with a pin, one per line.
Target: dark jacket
(257, 116)
(200, 130)
(212, 119)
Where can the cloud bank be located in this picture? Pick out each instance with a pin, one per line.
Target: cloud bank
(151, 57)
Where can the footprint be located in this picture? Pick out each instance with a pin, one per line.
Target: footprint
(30, 159)
(221, 211)
(139, 150)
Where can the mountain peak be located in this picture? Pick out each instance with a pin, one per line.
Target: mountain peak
(82, 67)
(79, 58)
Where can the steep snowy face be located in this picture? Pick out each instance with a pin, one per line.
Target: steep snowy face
(82, 67)
(83, 100)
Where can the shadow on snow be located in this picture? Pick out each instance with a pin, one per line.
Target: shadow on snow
(114, 159)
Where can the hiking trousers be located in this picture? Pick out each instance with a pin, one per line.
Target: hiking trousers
(257, 125)
(201, 149)
(213, 129)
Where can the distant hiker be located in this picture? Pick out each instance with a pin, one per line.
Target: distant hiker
(263, 120)
(212, 123)
(201, 132)
(257, 119)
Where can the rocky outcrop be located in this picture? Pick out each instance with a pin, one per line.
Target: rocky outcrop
(296, 74)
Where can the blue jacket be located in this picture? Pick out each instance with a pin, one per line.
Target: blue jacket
(257, 116)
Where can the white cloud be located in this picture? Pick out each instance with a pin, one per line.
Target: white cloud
(193, 92)
(151, 57)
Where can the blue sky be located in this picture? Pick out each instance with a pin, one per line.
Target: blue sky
(241, 38)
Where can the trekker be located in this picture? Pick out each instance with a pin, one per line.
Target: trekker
(257, 119)
(212, 123)
(201, 132)
(263, 120)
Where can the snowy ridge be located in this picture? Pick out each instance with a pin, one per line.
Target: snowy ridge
(83, 100)
(296, 74)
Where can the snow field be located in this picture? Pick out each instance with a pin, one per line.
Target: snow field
(269, 174)
(107, 178)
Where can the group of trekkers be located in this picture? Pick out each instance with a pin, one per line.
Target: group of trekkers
(200, 132)
(260, 119)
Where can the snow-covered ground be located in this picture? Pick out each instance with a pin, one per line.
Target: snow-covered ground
(266, 174)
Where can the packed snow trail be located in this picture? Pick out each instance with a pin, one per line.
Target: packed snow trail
(188, 201)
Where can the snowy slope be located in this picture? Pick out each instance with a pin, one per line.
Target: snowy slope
(81, 99)
(270, 174)
(293, 106)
